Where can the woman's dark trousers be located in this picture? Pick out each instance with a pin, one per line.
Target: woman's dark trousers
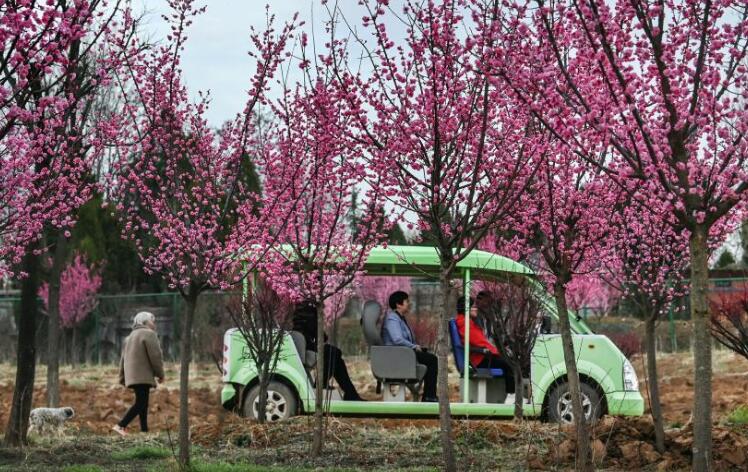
(493, 362)
(335, 367)
(139, 408)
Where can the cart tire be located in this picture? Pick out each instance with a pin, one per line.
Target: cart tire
(281, 402)
(559, 404)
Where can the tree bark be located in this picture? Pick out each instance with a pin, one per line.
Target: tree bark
(319, 431)
(185, 356)
(18, 422)
(702, 351)
(74, 347)
(53, 322)
(262, 397)
(518, 393)
(442, 386)
(584, 462)
(652, 383)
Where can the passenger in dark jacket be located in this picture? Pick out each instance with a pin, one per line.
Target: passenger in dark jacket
(305, 322)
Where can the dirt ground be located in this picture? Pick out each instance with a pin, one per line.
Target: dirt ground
(99, 402)
(730, 383)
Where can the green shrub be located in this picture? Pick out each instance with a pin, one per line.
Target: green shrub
(141, 453)
(738, 416)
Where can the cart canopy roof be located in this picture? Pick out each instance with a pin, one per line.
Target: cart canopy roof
(424, 261)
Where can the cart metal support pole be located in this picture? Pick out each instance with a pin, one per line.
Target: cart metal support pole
(466, 362)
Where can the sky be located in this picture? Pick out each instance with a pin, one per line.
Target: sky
(215, 58)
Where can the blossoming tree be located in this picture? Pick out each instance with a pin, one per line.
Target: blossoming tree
(177, 184)
(439, 132)
(79, 285)
(661, 88)
(563, 218)
(310, 173)
(45, 152)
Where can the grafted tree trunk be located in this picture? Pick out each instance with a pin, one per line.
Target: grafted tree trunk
(584, 459)
(53, 322)
(702, 351)
(18, 422)
(442, 352)
(74, 350)
(519, 398)
(185, 356)
(653, 383)
(319, 413)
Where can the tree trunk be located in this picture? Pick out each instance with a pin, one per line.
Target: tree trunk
(18, 422)
(74, 347)
(53, 322)
(652, 383)
(702, 351)
(584, 462)
(519, 398)
(319, 431)
(185, 356)
(262, 397)
(442, 351)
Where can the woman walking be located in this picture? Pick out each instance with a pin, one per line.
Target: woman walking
(141, 363)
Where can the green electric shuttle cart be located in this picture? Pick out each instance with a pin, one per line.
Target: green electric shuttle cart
(609, 382)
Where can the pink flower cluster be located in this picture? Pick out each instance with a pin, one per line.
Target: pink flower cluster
(177, 183)
(79, 285)
(47, 146)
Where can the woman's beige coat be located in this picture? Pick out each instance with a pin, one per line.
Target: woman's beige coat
(141, 361)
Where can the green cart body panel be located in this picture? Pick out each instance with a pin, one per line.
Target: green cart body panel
(599, 361)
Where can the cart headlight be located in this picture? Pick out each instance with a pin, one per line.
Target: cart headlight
(630, 382)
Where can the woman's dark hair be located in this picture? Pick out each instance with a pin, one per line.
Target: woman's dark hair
(461, 304)
(306, 308)
(397, 298)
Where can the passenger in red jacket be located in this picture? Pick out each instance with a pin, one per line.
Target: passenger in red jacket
(490, 358)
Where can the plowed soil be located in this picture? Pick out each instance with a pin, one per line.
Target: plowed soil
(619, 443)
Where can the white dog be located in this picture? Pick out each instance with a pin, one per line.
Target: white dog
(44, 419)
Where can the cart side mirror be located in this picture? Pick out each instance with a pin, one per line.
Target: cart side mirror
(546, 325)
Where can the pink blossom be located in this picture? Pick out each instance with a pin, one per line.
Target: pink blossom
(78, 287)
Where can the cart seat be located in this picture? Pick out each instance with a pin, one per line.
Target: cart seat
(394, 366)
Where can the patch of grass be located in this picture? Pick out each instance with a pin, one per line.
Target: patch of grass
(141, 453)
(198, 466)
(225, 467)
(82, 468)
(738, 416)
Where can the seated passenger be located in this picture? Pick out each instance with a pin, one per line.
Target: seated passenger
(490, 358)
(305, 322)
(396, 332)
(483, 304)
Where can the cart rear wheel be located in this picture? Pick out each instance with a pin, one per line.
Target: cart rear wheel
(281, 402)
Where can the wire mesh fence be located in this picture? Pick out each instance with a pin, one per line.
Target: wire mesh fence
(98, 339)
